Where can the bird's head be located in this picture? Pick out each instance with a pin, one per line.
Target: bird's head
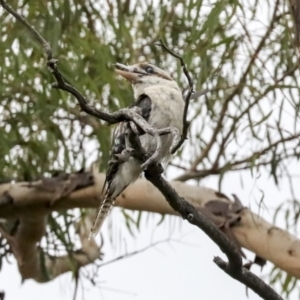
(144, 75)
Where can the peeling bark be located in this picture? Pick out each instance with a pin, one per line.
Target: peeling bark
(30, 203)
(24, 241)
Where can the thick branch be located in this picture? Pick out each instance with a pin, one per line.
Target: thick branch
(39, 266)
(250, 230)
(23, 242)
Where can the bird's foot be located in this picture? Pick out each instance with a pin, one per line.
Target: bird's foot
(151, 160)
(125, 155)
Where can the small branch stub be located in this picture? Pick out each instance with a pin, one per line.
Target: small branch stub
(190, 217)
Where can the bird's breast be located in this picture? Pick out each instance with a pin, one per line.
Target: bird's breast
(167, 107)
(167, 111)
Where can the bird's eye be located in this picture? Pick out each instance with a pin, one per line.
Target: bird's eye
(149, 70)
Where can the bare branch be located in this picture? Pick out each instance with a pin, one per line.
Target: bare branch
(248, 279)
(33, 263)
(127, 255)
(295, 12)
(241, 164)
(281, 248)
(234, 267)
(35, 34)
(87, 254)
(126, 114)
(2, 295)
(238, 89)
(185, 122)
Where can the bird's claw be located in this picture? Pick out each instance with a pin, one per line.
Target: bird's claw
(151, 160)
(125, 155)
(134, 128)
(146, 164)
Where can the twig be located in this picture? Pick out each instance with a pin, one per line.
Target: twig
(231, 131)
(235, 92)
(241, 164)
(248, 279)
(111, 118)
(35, 34)
(234, 267)
(126, 114)
(2, 295)
(195, 95)
(132, 253)
(185, 122)
(295, 12)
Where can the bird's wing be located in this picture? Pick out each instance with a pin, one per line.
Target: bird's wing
(118, 140)
(108, 196)
(145, 104)
(111, 191)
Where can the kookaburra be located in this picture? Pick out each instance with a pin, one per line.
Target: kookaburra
(160, 102)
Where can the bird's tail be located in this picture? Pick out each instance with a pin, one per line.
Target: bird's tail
(105, 208)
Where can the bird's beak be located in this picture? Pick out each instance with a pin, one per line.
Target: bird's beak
(127, 72)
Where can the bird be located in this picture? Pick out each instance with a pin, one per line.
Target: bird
(159, 100)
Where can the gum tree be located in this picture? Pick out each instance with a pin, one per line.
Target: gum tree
(247, 72)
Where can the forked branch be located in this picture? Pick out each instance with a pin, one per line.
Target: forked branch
(234, 267)
(186, 123)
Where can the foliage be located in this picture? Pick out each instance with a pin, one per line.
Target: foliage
(249, 66)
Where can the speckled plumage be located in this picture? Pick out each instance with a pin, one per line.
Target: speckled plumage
(161, 104)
